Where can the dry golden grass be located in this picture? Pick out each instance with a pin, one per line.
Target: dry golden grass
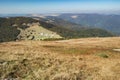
(75, 59)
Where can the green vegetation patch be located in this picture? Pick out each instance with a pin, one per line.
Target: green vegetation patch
(103, 55)
(67, 50)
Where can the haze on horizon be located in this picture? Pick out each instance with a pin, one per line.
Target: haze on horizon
(58, 6)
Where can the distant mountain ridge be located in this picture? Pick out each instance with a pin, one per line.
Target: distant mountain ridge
(27, 28)
(109, 22)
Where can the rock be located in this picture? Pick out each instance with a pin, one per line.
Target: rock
(3, 62)
(118, 50)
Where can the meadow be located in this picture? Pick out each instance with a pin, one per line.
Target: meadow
(74, 59)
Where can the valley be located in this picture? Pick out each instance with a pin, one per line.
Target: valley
(110, 22)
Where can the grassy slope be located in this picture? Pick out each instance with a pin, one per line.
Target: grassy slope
(37, 33)
(9, 32)
(76, 59)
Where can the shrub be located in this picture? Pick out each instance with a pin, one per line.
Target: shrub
(103, 55)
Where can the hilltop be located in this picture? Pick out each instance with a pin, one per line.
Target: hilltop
(74, 59)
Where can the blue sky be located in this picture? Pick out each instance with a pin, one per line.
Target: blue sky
(58, 6)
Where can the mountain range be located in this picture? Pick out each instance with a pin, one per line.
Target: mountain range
(110, 22)
(47, 28)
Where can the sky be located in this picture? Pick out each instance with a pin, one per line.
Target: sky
(58, 6)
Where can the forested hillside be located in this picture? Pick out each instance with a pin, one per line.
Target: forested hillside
(107, 22)
(10, 28)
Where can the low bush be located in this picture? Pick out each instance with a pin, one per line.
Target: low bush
(103, 55)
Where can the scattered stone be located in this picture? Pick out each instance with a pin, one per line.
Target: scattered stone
(3, 62)
(118, 50)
